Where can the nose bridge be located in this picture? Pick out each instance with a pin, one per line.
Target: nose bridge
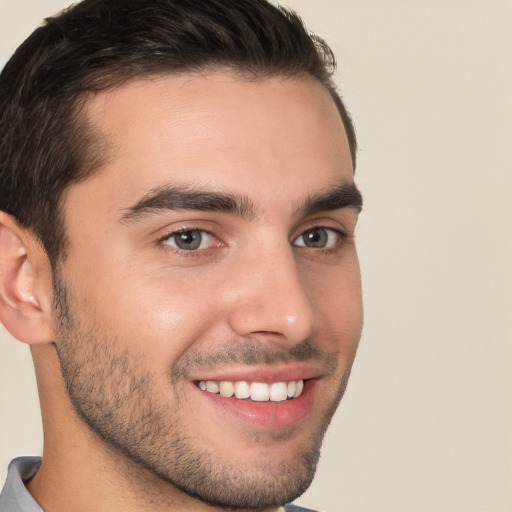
(271, 297)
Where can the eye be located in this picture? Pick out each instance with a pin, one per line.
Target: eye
(190, 240)
(318, 238)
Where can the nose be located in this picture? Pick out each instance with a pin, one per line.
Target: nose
(269, 298)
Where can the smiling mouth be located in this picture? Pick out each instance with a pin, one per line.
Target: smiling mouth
(255, 391)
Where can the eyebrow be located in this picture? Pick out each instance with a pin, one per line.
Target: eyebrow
(346, 195)
(178, 198)
(188, 198)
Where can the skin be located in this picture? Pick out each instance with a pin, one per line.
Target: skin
(146, 320)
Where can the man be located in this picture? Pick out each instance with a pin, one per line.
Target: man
(177, 247)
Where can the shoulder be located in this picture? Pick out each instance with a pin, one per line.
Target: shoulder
(295, 508)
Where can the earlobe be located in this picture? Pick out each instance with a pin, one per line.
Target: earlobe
(24, 301)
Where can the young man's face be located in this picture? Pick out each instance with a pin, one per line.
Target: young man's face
(215, 248)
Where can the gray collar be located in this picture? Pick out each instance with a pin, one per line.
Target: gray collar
(14, 496)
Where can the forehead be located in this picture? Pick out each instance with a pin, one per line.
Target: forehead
(220, 131)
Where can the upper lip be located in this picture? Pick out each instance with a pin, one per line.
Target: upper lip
(268, 374)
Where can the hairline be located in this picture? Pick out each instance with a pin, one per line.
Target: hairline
(100, 157)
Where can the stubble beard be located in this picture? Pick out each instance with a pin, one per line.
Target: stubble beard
(118, 402)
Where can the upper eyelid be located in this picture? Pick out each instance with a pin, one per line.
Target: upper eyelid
(339, 232)
(161, 242)
(341, 237)
(322, 224)
(313, 224)
(168, 232)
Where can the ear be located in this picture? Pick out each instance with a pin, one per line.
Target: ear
(25, 284)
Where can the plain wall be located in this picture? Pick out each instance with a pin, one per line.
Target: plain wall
(426, 424)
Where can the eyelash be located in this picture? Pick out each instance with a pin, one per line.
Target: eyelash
(183, 252)
(341, 239)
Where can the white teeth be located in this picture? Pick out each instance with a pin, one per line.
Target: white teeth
(300, 387)
(259, 392)
(242, 390)
(212, 386)
(278, 391)
(256, 391)
(292, 386)
(227, 389)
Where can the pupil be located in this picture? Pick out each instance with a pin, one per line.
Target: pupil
(316, 238)
(189, 240)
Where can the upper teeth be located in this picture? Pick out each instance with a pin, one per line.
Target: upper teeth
(256, 391)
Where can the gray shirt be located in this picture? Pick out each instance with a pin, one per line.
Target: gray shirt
(16, 498)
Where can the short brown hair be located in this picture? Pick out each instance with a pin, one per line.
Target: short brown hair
(45, 144)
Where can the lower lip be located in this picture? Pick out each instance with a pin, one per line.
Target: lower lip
(268, 415)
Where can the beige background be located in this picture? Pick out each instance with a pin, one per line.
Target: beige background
(426, 424)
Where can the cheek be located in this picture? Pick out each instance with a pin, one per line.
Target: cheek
(158, 314)
(169, 311)
(335, 293)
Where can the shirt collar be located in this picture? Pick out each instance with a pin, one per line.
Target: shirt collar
(14, 496)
